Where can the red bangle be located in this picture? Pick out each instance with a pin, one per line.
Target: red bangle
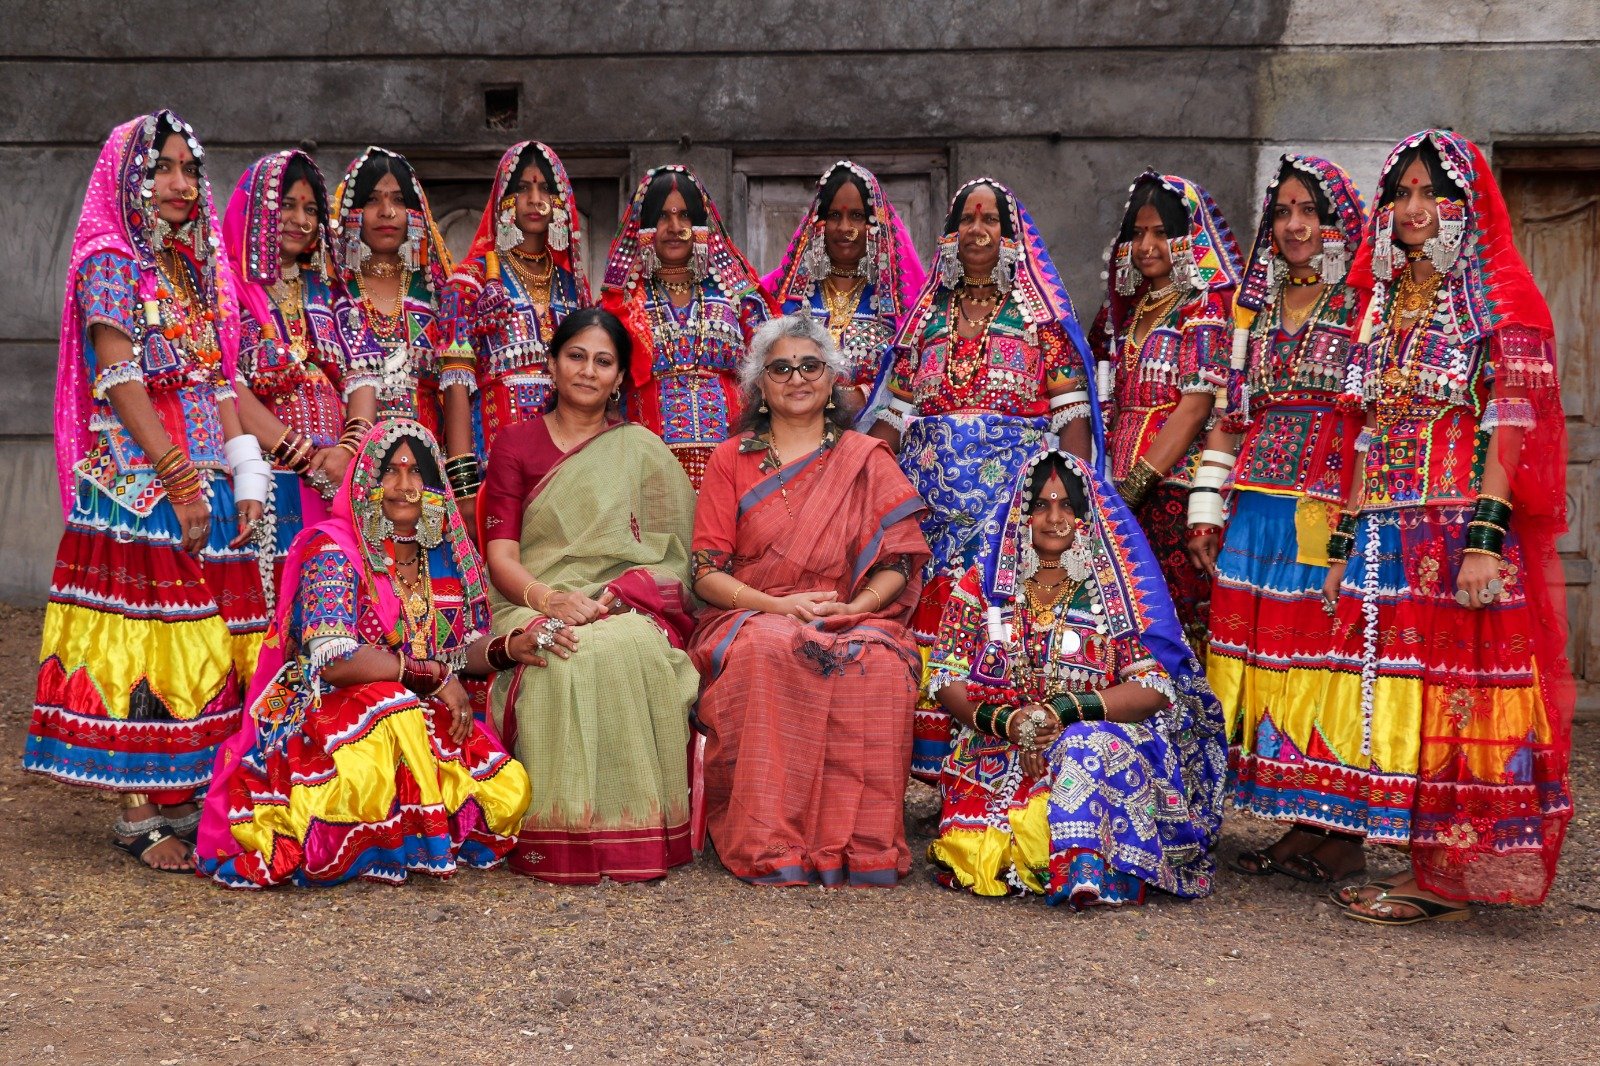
(1202, 529)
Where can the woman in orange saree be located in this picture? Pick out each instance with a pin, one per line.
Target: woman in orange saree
(808, 550)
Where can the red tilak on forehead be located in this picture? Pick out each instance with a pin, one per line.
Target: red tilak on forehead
(1416, 181)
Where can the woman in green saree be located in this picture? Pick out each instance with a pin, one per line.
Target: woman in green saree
(586, 522)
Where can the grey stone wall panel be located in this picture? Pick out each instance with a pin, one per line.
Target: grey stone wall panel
(347, 28)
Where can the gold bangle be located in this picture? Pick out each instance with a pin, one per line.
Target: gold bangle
(875, 595)
(734, 604)
(544, 601)
(131, 800)
(1481, 551)
(1496, 499)
(525, 601)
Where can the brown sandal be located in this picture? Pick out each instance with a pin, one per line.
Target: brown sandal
(1427, 911)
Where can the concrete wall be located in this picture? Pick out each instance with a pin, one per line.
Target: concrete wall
(1064, 100)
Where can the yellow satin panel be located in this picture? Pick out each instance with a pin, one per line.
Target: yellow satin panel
(363, 790)
(1396, 722)
(979, 860)
(191, 660)
(1497, 719)
(1314, 523)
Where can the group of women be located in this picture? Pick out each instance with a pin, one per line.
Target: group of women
(377, 564)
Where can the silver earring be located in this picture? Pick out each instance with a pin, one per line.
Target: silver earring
(506, 233)
(1027, 558)
(1444, 249)
(376, 527)
(815, 263)
(1127, 277)
(1383, 263)
(1075, 560)
(949, 261)
(649, 262)
(430, 526)
(1005, 267)
(700, 261)
(1334, 262)
(560, 229)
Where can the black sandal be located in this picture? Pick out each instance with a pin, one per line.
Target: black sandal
(1265, 864)
(1317, 874)
(1427, 911)
(147, 840)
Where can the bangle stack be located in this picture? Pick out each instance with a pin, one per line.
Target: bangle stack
(355, 431)
(1342, 539)
(179, 476)
(1205, 499)
(1486, 533)
(500, 658)
(994, 719)
(293, 451)
(462, 470)
(1141, 479)
(1073, 707)
(424, 676)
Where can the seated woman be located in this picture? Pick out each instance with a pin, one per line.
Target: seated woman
(587, 522)
(359, 756)
(808, 549)
(1088, 763)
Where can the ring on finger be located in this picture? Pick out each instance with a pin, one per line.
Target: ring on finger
(1463, 597)
(1486, 595)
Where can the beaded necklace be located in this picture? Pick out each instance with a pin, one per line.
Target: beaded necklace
(664, 327)
(192, 330)
(417, 597)
(963, 367)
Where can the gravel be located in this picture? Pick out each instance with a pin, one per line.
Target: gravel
(101, 961)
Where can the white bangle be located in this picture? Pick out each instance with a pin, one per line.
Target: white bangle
(1068, 398)
(1241, 348)
(1221, 458)
(1210, 477)
(1205, 509)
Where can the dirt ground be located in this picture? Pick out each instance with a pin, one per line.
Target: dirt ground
(101, 961)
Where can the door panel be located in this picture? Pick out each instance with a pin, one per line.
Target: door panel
(1555, 212)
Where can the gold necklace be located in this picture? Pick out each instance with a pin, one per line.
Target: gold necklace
(1292, 319)
(842, 306)
(417, 596)
(537, 286)
(372, 268)
(1413, 298)
(1045, 611)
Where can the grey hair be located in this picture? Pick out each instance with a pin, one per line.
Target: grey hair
(800, 327)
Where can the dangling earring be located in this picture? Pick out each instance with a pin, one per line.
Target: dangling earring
(831, 405)
(700, 260)
(1127, 277)
(1075, 560)
(507, 235)
(1335, 256)
(649, 262)
(949, 261)
(375, 525)
(815, 262)
(763, 408)
(1184, 269)
(430, 527)
(1027, 558)
(1277, 270)
(411, 249)
(1445, 249)
(1005, 267)
(876, 259)
(1383, 260)
(560, 229)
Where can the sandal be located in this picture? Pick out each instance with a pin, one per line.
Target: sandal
(147, 840)
(1350, 895)
(1316, 873)
(1427, 911)
(1261, 858)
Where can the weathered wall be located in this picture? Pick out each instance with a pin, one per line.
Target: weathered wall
(1063, 100)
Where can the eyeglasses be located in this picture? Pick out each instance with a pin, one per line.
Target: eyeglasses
(810, 370)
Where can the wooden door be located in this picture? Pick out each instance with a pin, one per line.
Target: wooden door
(1554, 198)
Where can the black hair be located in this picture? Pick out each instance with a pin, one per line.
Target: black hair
(1149, 192)
(165, 129)
(424, 456)
(661, 186)
(1444, 186)
(531, 154)
(579, 321)
(837, 178)
(1052, 463)
(953, 219)
(300, 169)
(372, 171)
(1324, 206)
